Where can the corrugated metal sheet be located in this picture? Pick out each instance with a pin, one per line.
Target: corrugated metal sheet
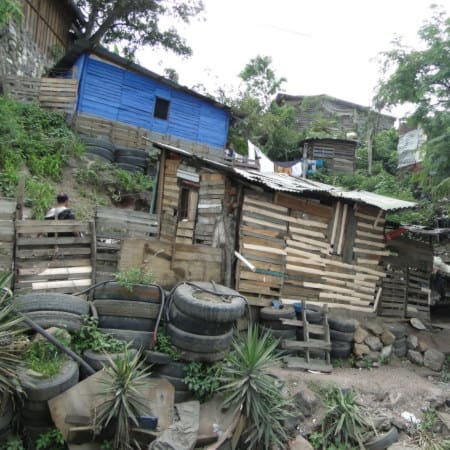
(284, 182)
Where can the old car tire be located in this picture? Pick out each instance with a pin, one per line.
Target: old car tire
(137, 339)
(183, 396)
(173, 369)
(134, 152)
(198, 343)
(89, 140)
(203, 357)
(127, 308)
(346, 326)
(132, 160)
(383, 441)
(38, 389)
(51, 302)
(126, 323)
(177, 383)
(271, 313)
(158, 358)
(103, 152)
(58, 319)
(99, 360)
(275, 325)
(130, 167)
(194, 325)
(282, 334)
(214, 311)
(140, 292)
(341, 336)
(341, 349)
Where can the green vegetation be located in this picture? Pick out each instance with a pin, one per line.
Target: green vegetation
(135, 275)
(89, 337)
(51, 440)
(203, 379)
(424, 433)
(344, 424)
(44, 357)
(164, 345)
(13, 442)
(248, 385)
(10, 10)
(122, 397)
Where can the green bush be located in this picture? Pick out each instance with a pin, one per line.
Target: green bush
(203, 379)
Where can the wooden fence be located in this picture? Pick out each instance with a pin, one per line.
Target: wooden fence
(55, 256)
(111, 227)
(7, 214)
(53, 94)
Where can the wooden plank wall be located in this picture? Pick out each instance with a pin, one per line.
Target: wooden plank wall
(299, 248)
(170, 198)
(112, 226)
(7, 234)
(53, 94)
(48, 23)
(60, 263)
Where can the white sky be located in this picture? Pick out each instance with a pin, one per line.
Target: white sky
(319, 46)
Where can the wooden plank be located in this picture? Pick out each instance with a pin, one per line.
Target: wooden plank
(308, 206)
(312, 242)
(61, 284)
(335, 222)
(306, 232)
(343, 225)
(265, 249)
(368, 226)
(374, 219)
(252, 220)
(371, 252)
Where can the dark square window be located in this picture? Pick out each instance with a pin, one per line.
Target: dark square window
(161, 108)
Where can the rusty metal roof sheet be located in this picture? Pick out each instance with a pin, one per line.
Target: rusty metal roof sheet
(287, 183)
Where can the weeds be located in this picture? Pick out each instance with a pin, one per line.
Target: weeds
(424, 433)
(50, 440)
(135, 275)
(164, 345)
(203, 379)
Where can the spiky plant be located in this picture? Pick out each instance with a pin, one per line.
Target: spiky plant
(344, 422)
(249, 386)
(122, 397)
(9, 337)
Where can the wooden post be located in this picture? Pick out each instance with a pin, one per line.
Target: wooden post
(305, 160)
(20, 198)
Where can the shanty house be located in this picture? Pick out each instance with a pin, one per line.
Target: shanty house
(294, 238)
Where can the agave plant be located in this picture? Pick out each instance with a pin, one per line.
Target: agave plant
(249, 386)
(122, 397)
(9, 348)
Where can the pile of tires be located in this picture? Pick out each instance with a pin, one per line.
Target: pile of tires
(399, 347)
(128, 315)
(174, 372)
(270, 320)
(201, 317)
(131, 159)
(341, 336)
(35, 413)
(50, 309)
(100, 149)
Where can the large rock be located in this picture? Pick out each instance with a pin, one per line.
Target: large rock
(387, 337)
(386, 351)
(434, 359)
(412, 342)
(375, 328)
(374, 343)
(360, 350)
(306, 401)
(360, 335)
(415, 357)
(300, 443)
(422, 346)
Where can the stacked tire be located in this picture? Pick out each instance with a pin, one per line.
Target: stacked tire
(131, 159)
(201, 317)
(270, 320)
(341, 336)
(174, 372)
(35, 412)
(128, 315)
(100, 149)
(49, 309)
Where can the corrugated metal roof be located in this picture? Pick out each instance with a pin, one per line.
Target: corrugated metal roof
(286, 183)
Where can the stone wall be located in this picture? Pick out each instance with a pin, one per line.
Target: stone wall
(19, 55)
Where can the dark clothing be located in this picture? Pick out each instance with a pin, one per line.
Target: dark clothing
(62, 213)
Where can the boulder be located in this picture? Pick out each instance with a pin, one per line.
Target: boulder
(359, 350)
(412, 342)
(415, 357)
(375, 328)
(374, 343)
(434, 359)
(360, 335)
(300, 443)
(387, 337)
(306, 401)
(386, 351)
(422, 346)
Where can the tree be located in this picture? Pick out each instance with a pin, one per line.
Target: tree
(261, 81)
(136, 23)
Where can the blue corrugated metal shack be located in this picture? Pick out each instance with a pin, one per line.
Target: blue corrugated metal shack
(114, 88)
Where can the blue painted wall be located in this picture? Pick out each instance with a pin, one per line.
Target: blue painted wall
(115, 93)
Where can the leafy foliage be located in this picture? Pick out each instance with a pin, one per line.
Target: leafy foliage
(136, 23)
(164, 345)
(50, 440)
(247, 384)
(122, 397)
(89, 337)
(203, 379)
(10, 10)
(135, 275)
(43, 357)
(12, 443)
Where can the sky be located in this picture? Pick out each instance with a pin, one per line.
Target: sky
(320, 46)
